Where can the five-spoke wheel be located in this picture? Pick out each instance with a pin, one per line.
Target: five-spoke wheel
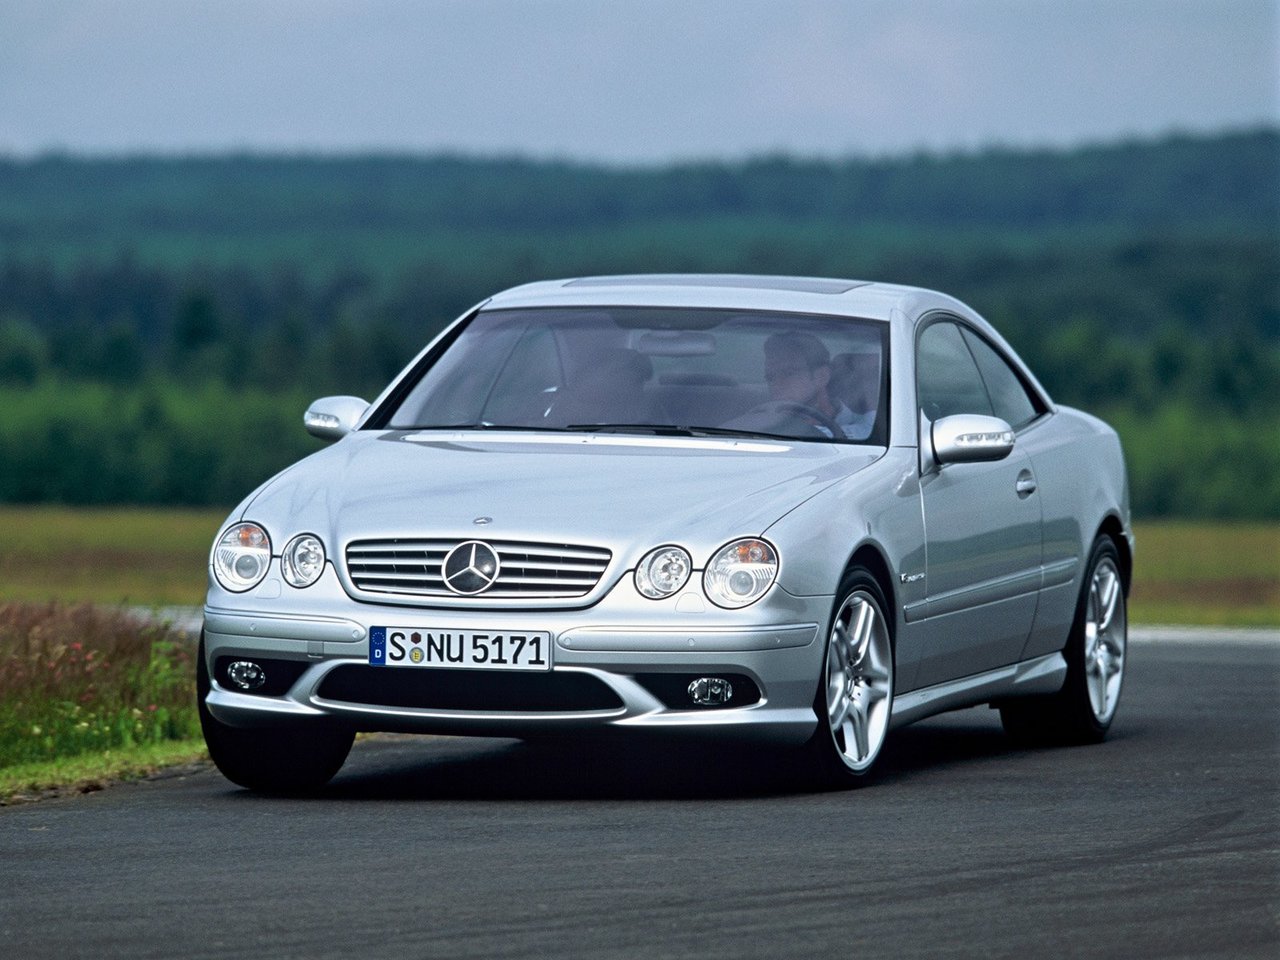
(1104, 639)
(1082, 711)
(856, 695)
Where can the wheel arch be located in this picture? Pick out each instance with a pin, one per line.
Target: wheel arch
(1112, 527)
(869, 556)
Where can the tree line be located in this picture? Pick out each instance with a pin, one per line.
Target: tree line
(1186, 179)
(164, 321)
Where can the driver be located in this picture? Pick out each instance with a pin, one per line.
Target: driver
(797, 368)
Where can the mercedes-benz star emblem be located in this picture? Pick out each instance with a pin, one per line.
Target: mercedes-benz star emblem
(470, 568)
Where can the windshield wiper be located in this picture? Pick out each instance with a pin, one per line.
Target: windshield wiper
(468, 426)
(655, 429)
(674, 430)
(666, 429)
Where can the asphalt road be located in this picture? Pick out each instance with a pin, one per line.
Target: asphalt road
(1164, 841)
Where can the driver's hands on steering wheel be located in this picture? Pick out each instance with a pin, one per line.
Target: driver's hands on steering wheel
(810, 416)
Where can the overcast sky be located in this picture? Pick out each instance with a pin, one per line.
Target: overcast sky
(627, 80)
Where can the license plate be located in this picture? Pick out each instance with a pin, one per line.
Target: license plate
(458, 649)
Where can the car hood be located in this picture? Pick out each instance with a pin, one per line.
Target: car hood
(624, 492)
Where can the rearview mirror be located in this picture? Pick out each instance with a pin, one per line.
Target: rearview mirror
(971, 438)
(332, 418)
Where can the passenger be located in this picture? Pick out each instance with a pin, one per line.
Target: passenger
(797, 368)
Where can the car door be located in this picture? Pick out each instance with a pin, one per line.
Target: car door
(982, 528)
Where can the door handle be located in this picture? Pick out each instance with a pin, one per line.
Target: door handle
(1025, 484)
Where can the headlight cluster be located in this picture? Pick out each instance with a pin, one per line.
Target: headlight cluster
(242, 556)
(663, 571)
(303, 560)
(738, 574)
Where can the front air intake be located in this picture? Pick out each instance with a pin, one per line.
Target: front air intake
(487, 691)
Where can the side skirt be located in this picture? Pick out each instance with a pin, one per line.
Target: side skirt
(1042, 675)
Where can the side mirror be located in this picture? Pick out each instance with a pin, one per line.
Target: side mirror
(971, 438)
(332, 418)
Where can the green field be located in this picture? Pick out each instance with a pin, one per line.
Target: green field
(106, 555)
(1188, 573)
(1207, 573)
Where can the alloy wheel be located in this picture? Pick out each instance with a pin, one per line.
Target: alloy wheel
(1105, 636)
(859, 679)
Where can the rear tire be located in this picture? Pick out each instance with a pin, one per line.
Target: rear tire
(855, 689)
(297, 758)
(1082, 711)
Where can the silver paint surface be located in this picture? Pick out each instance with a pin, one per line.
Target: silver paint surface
(982, 574)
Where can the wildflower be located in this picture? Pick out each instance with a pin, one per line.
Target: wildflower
(36, 731)
(151, 708)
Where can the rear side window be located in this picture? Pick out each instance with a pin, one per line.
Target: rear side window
(947, 378)
(1009, 396)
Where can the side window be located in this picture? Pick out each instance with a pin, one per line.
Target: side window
(1009, 397)
(946, 377)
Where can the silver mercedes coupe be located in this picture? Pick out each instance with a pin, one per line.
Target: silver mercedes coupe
(804, 511)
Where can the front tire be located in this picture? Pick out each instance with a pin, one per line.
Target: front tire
(1082, 711)
(290, 759)
(855, 692)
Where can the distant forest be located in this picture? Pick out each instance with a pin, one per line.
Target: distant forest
(163, 321)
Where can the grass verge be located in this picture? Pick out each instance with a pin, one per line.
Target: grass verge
(90, 692)
(87, 772)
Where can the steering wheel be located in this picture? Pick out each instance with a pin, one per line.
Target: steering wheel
(790, 409)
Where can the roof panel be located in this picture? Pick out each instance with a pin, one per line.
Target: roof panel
(741, 281)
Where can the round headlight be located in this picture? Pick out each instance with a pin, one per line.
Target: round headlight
(241, 557)
(303, 560)
(663, 571)
(740, 573)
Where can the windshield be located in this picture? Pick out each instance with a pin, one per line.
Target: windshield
(657, 370)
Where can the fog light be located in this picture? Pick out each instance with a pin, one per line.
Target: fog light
(710, 691)
(246, 674)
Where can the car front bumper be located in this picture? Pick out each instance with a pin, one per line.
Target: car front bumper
(623, 663)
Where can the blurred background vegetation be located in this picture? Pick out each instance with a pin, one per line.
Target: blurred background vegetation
(164, 321)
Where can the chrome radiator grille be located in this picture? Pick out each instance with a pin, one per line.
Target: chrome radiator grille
(413, 568)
